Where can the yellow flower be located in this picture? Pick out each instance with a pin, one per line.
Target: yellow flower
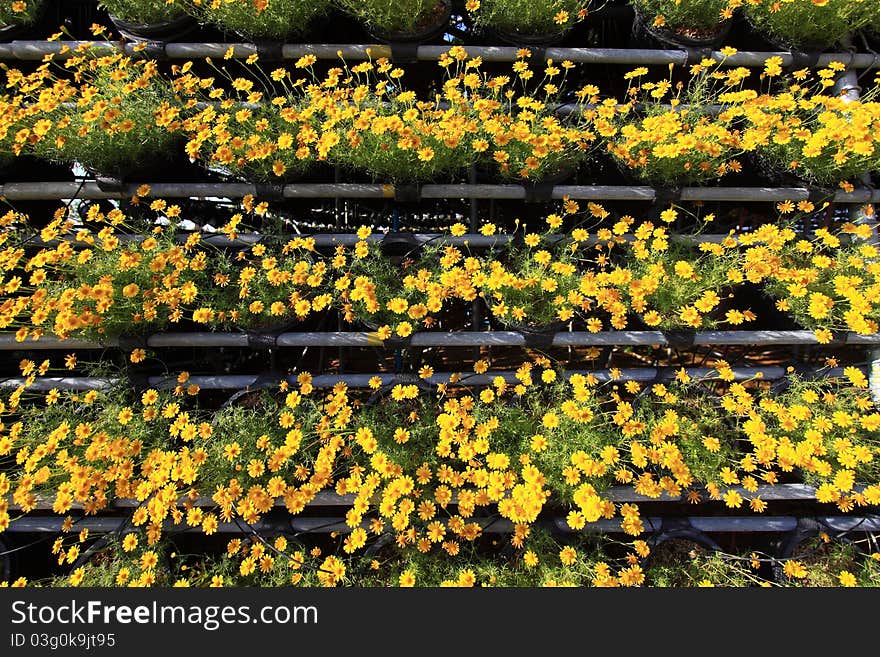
(847, 578)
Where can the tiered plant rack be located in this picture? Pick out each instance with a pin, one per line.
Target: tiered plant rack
(327, 510)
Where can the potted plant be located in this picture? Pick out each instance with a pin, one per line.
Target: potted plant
(567, 431)
(402, 292)
(113, 287)
(112, 560)
(88, 447)
(525, 22)
(677, 283)
(275, 20)
(401, 20)
(700, 438)
(825, 430)
(824, 282)
(534, 287)
(525, 139)
(816, 559)
(263, 143)
(268, 443)
(266, 560)
(808, 25)
(673, 138)
(17, 15)
(397, 137)
(540, 559)
(149, 20)
(700, 23)
(119, 120)
(695, 560)
(805, 133)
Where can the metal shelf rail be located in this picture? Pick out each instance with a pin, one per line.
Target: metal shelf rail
(8, 341)
(35, 191)
(37, 50)
(255, 381)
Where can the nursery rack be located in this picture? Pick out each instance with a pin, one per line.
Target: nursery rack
(37, 50)
(431, 339)
(33, 191)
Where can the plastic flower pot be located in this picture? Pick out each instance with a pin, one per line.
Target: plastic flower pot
(673, 546)
(805, 545)
(171, 166)
(490, 173)
(644, 33)
(434, 25)
(527, 39)
(166, 31)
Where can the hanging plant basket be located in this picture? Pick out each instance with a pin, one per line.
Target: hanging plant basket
(163, 32)
(433, 26)
(644, 32)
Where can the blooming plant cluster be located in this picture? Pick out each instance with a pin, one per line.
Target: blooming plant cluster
(805, 131)
(116, 115)
(810, 24)
(272, 126)
(97, 283)
(256, 19)
(108, 286)
(363, 117)
(672, 137)
(424, 469)
(545, 18)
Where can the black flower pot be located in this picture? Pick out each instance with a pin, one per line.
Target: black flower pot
(527, 39)
(12, 31)
(435, 27)
(644, 32)
(680, 539)
(170, 30)
(796, 542)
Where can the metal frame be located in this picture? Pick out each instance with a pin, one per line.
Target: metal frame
(255, 381)
(8, 341)
(327, 499)
(35, 191)
(30, 50)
